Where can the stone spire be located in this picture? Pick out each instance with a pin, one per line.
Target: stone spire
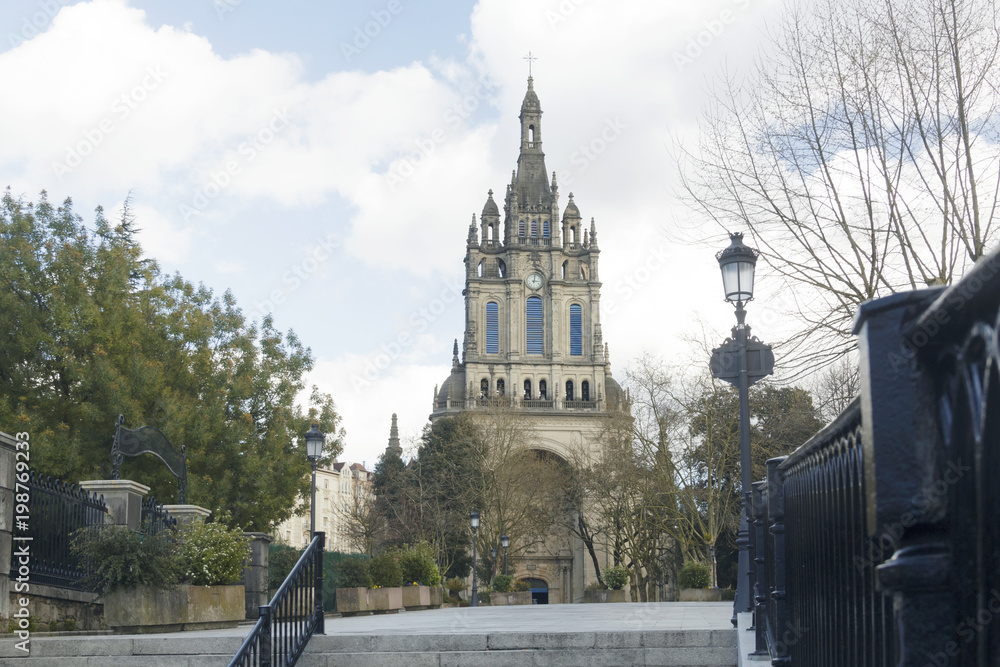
(531, 185)
(454, 355)
(593, 233)
(394, 447)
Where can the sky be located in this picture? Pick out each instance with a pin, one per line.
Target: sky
(323, 160)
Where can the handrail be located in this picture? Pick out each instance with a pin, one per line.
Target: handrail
(294, 614)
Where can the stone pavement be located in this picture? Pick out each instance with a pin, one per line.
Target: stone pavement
(663, 633)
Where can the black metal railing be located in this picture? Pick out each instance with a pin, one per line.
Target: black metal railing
(291, 618)
(878, 540)
(55, 510)
(154, 517)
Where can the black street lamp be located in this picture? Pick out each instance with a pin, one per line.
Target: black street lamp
(474, 520)
(493, 562)
(314, 450)
(738, 263)
(504, 542)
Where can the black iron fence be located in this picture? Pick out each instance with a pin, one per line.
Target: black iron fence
(293, 616)
(878, 540)
(55, 510)
(154, 517)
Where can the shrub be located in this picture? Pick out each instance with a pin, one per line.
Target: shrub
(115, 556)
(281, 558)
(694, 575)
(501, 583)
(728, 594)
(596, 586)
(520, 586)
(419, 565)
(385, 570)
(483, 594)
(355, 573)
(455, 585)
(213, 555)
(616, 577)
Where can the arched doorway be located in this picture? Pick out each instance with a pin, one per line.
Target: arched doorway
(539, 591)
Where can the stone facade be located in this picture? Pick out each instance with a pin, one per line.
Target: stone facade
(336, 488)
(533, 335)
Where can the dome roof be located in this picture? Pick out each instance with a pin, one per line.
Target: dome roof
(491, 206)
(613, 391)
(571, 210)
(452, 388)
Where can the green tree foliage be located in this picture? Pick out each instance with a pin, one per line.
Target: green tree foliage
(92, 330)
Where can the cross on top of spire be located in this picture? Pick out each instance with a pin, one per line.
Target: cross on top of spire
(530, 58)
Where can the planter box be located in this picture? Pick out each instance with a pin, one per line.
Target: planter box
(386, 600)
(422, 597)
(521, 597)
(701, 595)
(145, 609)
(352, 601)
(604, 596)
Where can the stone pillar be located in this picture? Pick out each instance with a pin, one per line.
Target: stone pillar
(255, 574)
(123, 498)
(7, 463)
(187, 514)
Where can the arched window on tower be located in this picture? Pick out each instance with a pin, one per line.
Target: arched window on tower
(575, 330)
(565, 266)
(492, 328)
(584, 391)
(482, 263)
(520, 228)
(501, 268)
(501, 387)
(569, 390)
(543, 390)
(527, 390)
(584, 272)
(490, 233)
(535, 326)
(534, 228)
(484, 388)
(545, 229)
(531, 133)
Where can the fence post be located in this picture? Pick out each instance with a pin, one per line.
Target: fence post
(8, 446)
(903, 462)
(760, 572)
(265, 637)
(777, 617)
(318, 594)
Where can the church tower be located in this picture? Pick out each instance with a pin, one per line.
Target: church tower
(533, 326)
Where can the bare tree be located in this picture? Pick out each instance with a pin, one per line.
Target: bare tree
(362, 520)
(861, 154)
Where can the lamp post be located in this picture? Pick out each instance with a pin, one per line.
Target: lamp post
(493, 562)
(474, 520)
(504, 542)
(314, 450)
(738, 263)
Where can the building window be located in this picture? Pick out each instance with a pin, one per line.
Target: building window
(585, 391)
(569, 390)
(484, 388)
(492, 328)
(527, 390)
(542, 390)
(501, 268)
(572, 234)
(501, 387)
(545, 229)
(535, 328)
(534, 228)
(564, 267)
(520, 228)
(576, 330)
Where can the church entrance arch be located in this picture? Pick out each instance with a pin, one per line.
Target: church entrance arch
(539, 590)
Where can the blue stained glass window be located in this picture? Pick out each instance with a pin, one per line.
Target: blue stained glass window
(492, 329)
(575, 330)
(536, 343)
(545, 229)
(520, 228)
(534, 228)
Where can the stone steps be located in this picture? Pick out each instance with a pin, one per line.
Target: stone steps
(680, 648)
